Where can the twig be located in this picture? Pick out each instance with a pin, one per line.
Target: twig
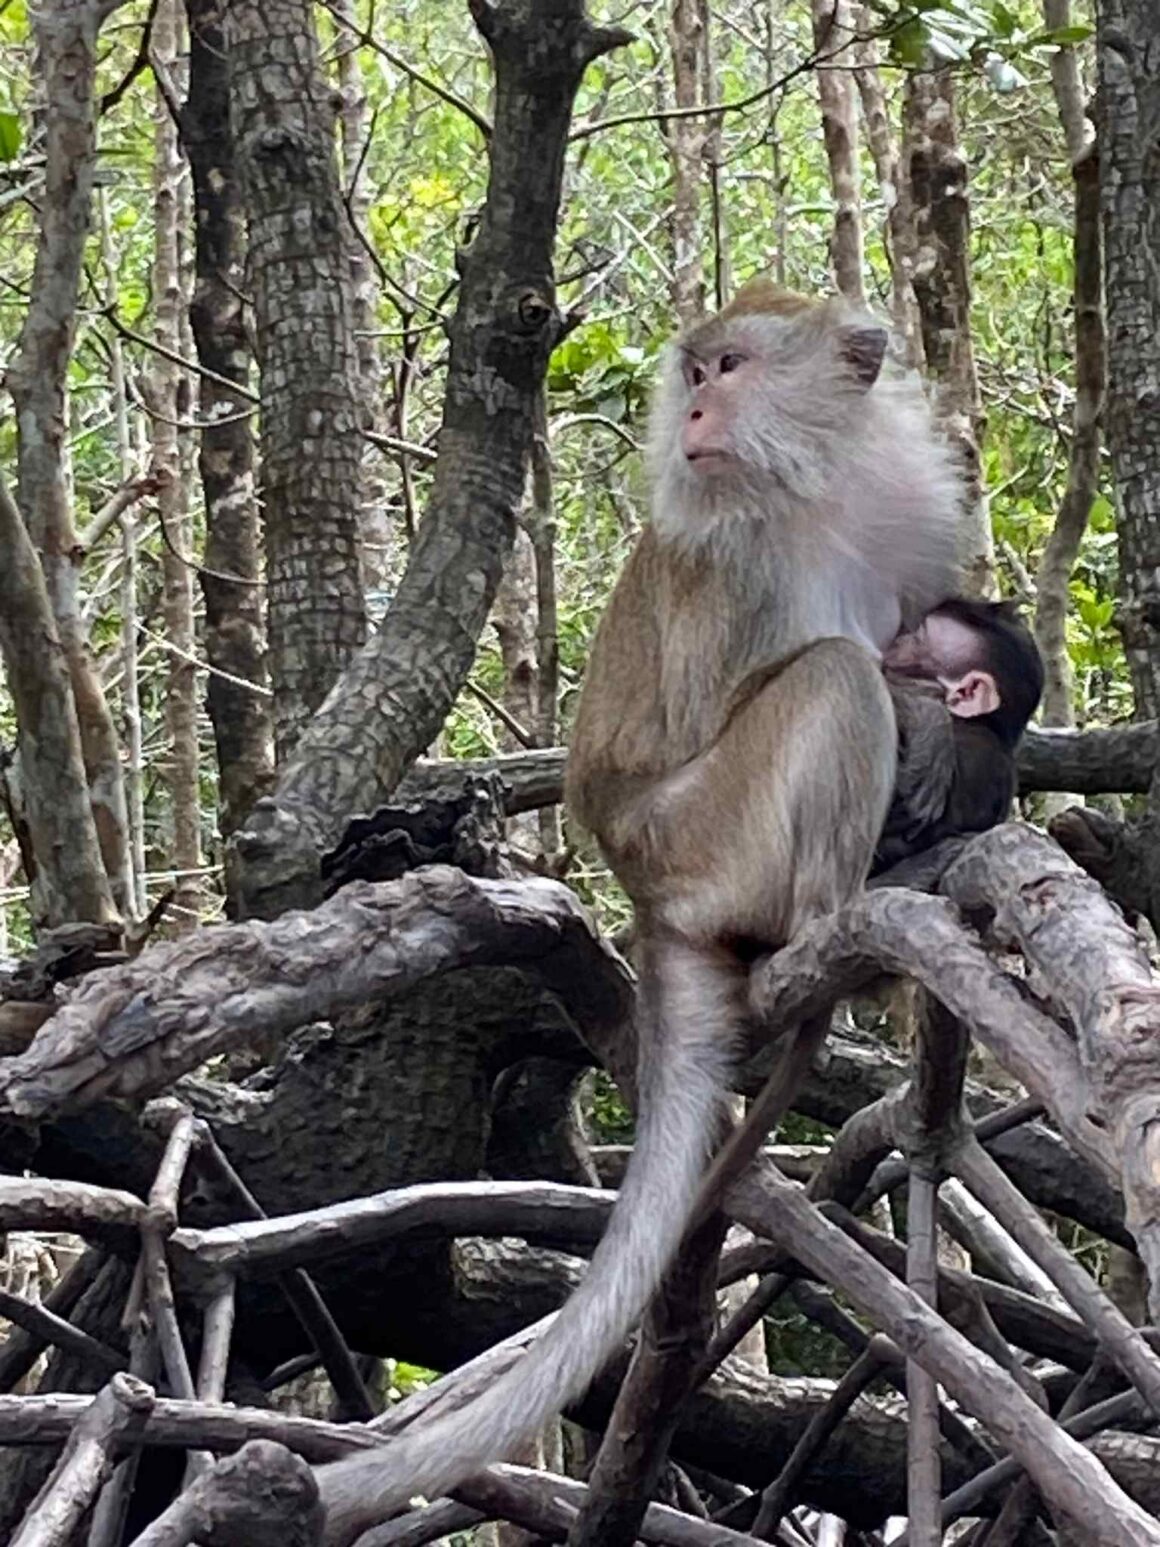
(23, 1347)
(298, 1287)
(862, 1373)
(1123, 1342)
(520, 732)
(444, 93)
(140, 62)
(51, 1328)
(204, 371)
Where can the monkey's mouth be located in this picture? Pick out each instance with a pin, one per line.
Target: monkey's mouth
(705, 461)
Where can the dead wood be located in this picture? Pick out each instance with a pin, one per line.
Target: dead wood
(117, 1413)
(131, 1031)
(265, 1496)
(1071, 1041)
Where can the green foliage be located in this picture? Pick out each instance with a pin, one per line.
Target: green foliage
(10, 136)
(990, 33)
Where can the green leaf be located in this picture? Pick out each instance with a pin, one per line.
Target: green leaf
(908, 46)
(1059, 37)
(10, 136)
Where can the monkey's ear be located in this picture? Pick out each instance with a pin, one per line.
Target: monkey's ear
(863, 348)
(975, 694)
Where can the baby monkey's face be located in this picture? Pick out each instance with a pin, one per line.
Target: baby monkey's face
(950, 652)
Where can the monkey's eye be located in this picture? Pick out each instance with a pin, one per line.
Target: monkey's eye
(697, 375)
(730, 362)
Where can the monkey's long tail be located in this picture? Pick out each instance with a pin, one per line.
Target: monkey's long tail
(688, 1024)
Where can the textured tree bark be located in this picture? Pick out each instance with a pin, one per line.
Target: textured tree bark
(66, 39)
(394, 696)
(130, 617)
(1083, 474)
(234, 628)
(1067, 83)
(311, 443)
(377, 520)
(69, 884)
(899, 235)
(936, 174)
(686, 137)
(169, 399)
(1128, 40)
(833, 28)
(514, 621)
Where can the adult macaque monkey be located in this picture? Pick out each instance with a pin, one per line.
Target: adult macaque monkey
(734, 754)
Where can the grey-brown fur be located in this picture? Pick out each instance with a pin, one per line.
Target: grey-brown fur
(734, 755)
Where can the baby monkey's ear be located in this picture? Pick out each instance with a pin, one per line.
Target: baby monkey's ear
(973, 695)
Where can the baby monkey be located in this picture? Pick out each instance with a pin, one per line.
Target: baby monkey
(965, 682)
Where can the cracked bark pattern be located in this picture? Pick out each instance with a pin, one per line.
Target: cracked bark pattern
(1128, 48)
(936, 173)
(396, 693)
(311, 444)
(66, 41)
(235, 640)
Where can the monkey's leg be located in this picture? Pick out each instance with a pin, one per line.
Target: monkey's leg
(777, 822)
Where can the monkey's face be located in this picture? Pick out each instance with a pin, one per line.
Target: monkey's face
(716, 386)
(749, 403)
(946, 650)
(941, 646)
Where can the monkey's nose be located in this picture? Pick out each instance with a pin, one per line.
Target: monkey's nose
(697, 413)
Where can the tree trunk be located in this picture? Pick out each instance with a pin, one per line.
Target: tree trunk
(832, 31)
(686, 146)
(1067, 83)
(66, 38)
(377, 523)
(169, 394)
(134, 767)
(396, 694)
(69, 883)
(1129, 98)
(899, 234)
(1084, 461)
(936, 174)
(311, 421)
(237, 693)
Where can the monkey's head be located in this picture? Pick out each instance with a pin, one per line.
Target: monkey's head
(984, 657)
(760, 396)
